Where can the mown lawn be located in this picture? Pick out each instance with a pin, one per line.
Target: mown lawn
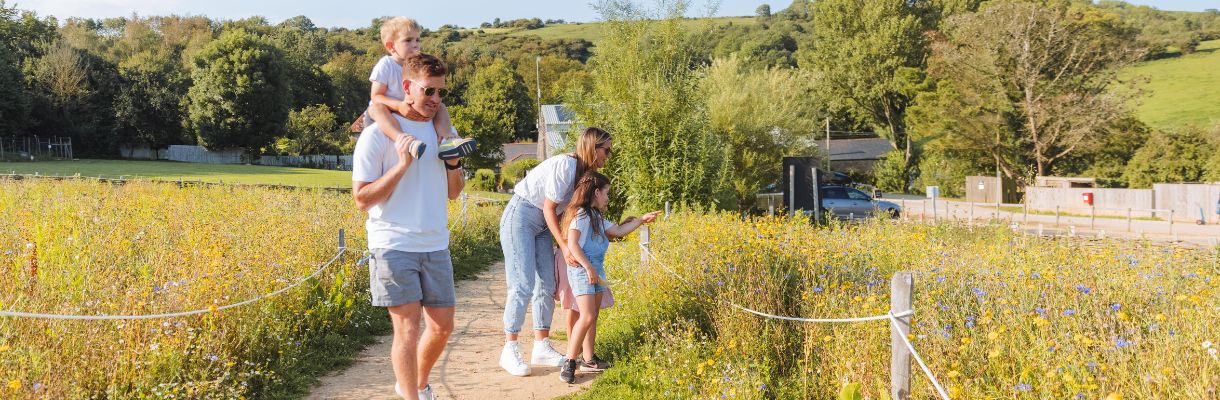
(1180, 91)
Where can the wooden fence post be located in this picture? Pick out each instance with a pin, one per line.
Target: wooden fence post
(647, 251)
(900, 357)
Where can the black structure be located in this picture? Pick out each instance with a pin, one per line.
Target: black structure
(799, 181)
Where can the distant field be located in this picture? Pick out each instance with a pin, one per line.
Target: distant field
(169, 170)
(249, 174)
(592, 31)
(1181, 91)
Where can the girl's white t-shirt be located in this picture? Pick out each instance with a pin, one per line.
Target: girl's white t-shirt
(554, 179)
(584, 224)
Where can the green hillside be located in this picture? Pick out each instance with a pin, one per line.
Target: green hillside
(1180, 91)
(592, 31)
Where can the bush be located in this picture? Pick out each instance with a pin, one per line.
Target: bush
(891, 173)
(516, 170)
(484, 180)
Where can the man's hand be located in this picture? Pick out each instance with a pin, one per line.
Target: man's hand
(403, 148)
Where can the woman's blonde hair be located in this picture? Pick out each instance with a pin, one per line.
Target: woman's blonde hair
(586, 149)
(393, 27)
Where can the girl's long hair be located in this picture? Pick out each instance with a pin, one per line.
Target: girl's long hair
(586, 149)
(582, 201)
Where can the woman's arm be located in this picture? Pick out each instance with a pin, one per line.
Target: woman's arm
(550, 213)
(581, 258)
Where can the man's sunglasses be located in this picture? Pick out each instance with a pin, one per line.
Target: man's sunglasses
(429, 91)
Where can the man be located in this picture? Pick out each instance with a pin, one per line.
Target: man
(403, 186)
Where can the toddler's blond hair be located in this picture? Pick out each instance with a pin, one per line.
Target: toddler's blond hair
(391, 28)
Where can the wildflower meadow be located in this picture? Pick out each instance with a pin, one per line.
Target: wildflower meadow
(997, 314)
(81, 247)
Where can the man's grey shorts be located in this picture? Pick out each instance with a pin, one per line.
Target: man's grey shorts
(399, 277)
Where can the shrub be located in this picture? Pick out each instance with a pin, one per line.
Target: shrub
(514, 171)
(483, 180)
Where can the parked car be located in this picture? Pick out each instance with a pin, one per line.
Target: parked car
(847, 202)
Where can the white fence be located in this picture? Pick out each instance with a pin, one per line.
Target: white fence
(198, 154)
(1190, 202)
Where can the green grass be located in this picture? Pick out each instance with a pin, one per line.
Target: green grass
(170, 170)
(1181, 91)
(593, 31)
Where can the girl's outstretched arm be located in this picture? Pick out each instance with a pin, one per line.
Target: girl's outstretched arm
(630, 225)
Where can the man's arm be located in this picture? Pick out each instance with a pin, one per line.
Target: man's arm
(457, 181)
(369, 194)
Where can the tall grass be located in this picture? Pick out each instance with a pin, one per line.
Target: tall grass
(997, 315)
(84, 247)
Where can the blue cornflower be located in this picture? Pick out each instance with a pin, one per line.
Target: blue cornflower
(1121, 343)
(1084, 289)
(1069, 312)
(1115, 306)
(979, 292)
(1024, 387)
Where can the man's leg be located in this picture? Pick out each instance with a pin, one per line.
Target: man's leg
(405, 319)
(432, 344)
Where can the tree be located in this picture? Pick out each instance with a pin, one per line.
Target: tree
(312, 130)
(15, 109)
(763, 11)
(1046, 70)
(240, 97)
(763, 115)
(646, 94)
(147, 109)
(1191, 149)
(497, 109)
(869, 53)
(348, 76)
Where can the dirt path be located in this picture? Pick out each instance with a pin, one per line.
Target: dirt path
(469, 369)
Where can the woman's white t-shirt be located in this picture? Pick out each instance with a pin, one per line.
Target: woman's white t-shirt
(554, 179)
(584, 224)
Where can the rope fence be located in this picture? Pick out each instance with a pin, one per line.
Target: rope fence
(900, 320)
(338, 255)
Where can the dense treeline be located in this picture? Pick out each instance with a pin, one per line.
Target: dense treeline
(943, 80)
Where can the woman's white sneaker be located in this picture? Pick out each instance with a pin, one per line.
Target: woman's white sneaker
(511, 360)
(544, 354)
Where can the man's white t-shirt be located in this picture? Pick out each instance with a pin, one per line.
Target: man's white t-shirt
(415, 217)
(584, 224)
(553, 179)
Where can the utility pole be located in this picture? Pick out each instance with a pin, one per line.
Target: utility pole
(828, 144)
(542, 146)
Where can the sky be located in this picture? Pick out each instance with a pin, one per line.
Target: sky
(432, 14)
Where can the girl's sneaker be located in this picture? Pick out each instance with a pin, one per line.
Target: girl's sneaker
(452, 148)
(568, 373)
(594, 365)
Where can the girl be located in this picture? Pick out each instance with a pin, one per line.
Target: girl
(588, 237)
(528, 228)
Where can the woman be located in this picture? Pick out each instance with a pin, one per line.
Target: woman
(529, 229)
